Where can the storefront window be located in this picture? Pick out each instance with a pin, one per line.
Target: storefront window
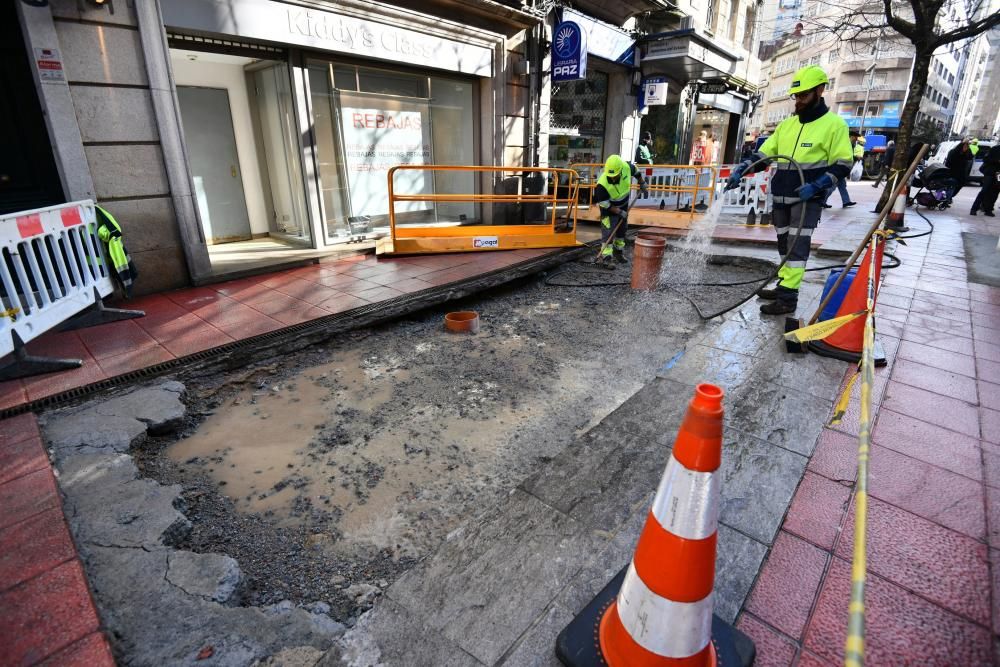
(576, 134)
(710, 130)
(369, 120)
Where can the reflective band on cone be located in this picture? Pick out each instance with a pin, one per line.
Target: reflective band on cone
(663, 612)
(898, 211)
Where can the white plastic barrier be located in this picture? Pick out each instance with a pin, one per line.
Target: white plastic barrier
(54, 267)
(752, 198)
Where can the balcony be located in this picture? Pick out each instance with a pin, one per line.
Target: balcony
(878, 94)
(890, 61)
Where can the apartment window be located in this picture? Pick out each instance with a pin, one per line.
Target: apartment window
(946, 102)
(833, 83)
(710, 16)
(951, 79)
(833, 56)
(803, 63)
(814, 60)
(873, 110)
(880, 78)
(734, 6)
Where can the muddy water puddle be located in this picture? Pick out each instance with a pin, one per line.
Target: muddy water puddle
(356, 447)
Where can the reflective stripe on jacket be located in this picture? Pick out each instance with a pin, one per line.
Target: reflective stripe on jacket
(607, 194)
(821, 144)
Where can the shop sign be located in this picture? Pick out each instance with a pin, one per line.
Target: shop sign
(50, 66)
(714, 88)
(569, 52)
(377, 135)
(603, 40)
(284, 23)
(654, 91)
(888, 115)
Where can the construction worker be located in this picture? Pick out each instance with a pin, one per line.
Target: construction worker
(818, 140)
(612, 196)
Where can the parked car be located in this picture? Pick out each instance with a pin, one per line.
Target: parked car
(976, 175)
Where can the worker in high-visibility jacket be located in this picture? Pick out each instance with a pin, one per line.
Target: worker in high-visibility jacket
(612, 195)
(110, 232)
(818, 140)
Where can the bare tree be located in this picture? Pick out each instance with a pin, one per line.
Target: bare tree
(927, 25)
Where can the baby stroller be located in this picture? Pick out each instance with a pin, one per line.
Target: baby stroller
(937, 185)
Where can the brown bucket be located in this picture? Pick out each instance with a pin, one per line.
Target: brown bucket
(646, 261)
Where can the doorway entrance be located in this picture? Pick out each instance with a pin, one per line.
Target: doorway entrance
(28, 175)
(244, 153)
(214, 162)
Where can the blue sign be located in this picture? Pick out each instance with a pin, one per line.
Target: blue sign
(569, 52)
(887, 117)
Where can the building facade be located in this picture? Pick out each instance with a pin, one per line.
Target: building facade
(206, 124)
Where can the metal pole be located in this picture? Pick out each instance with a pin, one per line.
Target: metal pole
(871, 82)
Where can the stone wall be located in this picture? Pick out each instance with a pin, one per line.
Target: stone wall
(106, 74)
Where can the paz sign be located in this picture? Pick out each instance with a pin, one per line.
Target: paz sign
(569, 52)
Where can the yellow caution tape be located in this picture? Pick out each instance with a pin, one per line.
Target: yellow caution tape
(11, 313)
(821, 329)
(841, 408)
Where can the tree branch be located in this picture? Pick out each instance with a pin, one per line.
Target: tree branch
(971, 30)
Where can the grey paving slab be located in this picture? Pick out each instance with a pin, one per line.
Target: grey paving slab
(536, 647)
(780, 415)
(653, 412)
(741, 333)
(701, 363)
(738, 558)
(758, 481)
(391, 636)
(483, 588)
(846, 240)
(817, 376)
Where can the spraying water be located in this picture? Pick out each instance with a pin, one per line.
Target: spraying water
(689, 262)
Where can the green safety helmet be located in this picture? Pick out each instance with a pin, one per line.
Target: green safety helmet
(807, 78)
(614, 166)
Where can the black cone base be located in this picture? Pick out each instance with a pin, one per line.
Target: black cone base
(578, 644)
(824, 350)
(792, 324)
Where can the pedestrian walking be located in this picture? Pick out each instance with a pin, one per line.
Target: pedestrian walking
(818, 140)
(858, 150)
(959, 161)
(987, 198)
(886, 165)
(612, 197)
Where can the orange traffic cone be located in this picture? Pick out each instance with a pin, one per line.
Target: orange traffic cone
(898, 211)
(662, 613)
(847, 342)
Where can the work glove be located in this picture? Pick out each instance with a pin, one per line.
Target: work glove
(644, 189)
(814, 188)
(734, 179)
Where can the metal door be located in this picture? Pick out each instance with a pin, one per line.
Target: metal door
(215, 167)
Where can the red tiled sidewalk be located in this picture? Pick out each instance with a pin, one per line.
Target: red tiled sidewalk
(933, 593)
(46, 613)
(192, 320)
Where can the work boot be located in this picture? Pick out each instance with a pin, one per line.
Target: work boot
(778, 308)
(620, 256)
(604, 262)
(897, 230)
(768, 294)
(849, 204)
(989, 214)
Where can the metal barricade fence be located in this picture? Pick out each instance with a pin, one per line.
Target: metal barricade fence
(54, 267)
(530, 207)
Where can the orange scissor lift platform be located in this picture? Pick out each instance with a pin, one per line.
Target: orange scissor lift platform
(524, 210)
(678, 194)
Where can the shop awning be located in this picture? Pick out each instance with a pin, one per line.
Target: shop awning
(688, 55)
